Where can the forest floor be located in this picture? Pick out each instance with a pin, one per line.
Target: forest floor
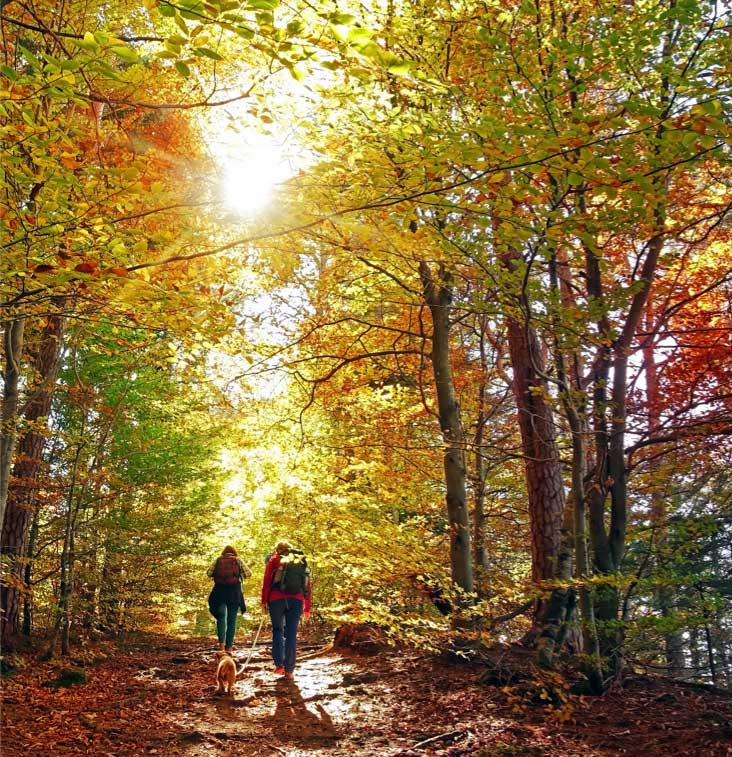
(154, 695)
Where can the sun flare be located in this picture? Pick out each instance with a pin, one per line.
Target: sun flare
(250, 178)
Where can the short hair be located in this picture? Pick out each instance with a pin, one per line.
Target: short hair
(230, 550)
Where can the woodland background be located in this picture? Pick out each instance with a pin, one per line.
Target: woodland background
(475, 345)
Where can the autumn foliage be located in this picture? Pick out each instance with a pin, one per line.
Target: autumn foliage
(473, 356)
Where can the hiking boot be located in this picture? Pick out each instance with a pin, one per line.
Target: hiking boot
(229, 650)
(289, 675)
(279, 671)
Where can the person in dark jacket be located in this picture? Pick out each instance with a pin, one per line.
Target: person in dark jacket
(227, 596)
(285, 609)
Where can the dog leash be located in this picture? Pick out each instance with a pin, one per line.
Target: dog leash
(251, 651)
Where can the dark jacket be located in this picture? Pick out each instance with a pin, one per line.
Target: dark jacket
(230, 594)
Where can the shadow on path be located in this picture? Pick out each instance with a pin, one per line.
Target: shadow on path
(293, 718)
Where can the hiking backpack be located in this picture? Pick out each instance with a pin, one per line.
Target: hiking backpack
(227, 570)
(291, 575)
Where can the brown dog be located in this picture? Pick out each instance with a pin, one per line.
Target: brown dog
(225, 673)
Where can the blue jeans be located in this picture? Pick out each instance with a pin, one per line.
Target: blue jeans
(226, 622)
(285, 616)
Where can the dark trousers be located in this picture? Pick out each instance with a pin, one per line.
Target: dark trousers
(285, 616)
(226, 622)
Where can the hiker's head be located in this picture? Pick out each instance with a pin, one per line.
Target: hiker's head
(283, 547)
(229, 551)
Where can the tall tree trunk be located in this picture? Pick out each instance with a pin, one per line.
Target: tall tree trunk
(438, 297)
(673, 642)
(12, 353)
(570, 382)
(542, 466)
(28, 577)
(63, 609)
(67, 585)
(480, 548)
(23, 494)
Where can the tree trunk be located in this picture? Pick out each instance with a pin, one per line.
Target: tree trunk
(570, 383)
(438, 297)
(27, 601)
(480, 549)
(63, 610)
(22, 499)
(542, 465)
(673, 642)
(13, 350)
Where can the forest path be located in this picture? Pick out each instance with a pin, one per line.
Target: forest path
(155, 696)
(269, 714)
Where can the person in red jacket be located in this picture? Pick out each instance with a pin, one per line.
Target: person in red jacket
(286, 595)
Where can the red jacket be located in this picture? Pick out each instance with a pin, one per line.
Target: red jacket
(268, 593)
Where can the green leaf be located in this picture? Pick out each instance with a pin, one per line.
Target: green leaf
(182, 25)
(359, 36)
(8, 72)
(125, 53)
(712, 107)
(400, 67)
(166, 10)
(341, 19)
(32, 60)
(182, 68)
(207, 53)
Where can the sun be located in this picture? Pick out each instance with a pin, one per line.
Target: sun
(252, 163)
(251, 174)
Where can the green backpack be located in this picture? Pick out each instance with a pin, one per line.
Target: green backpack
(291, 575)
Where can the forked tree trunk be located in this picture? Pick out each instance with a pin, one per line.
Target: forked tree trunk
(62, 622)
(570, 381)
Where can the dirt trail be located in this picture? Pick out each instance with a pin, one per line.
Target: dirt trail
(268, 714)
(156, 697)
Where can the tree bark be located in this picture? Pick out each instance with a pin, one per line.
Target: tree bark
(13, 349)
(542, 466)
(438, 297)
(23, 494)
(480, 549)
(673, 641)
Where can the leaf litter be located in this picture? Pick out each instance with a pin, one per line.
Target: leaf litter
(156, 696)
